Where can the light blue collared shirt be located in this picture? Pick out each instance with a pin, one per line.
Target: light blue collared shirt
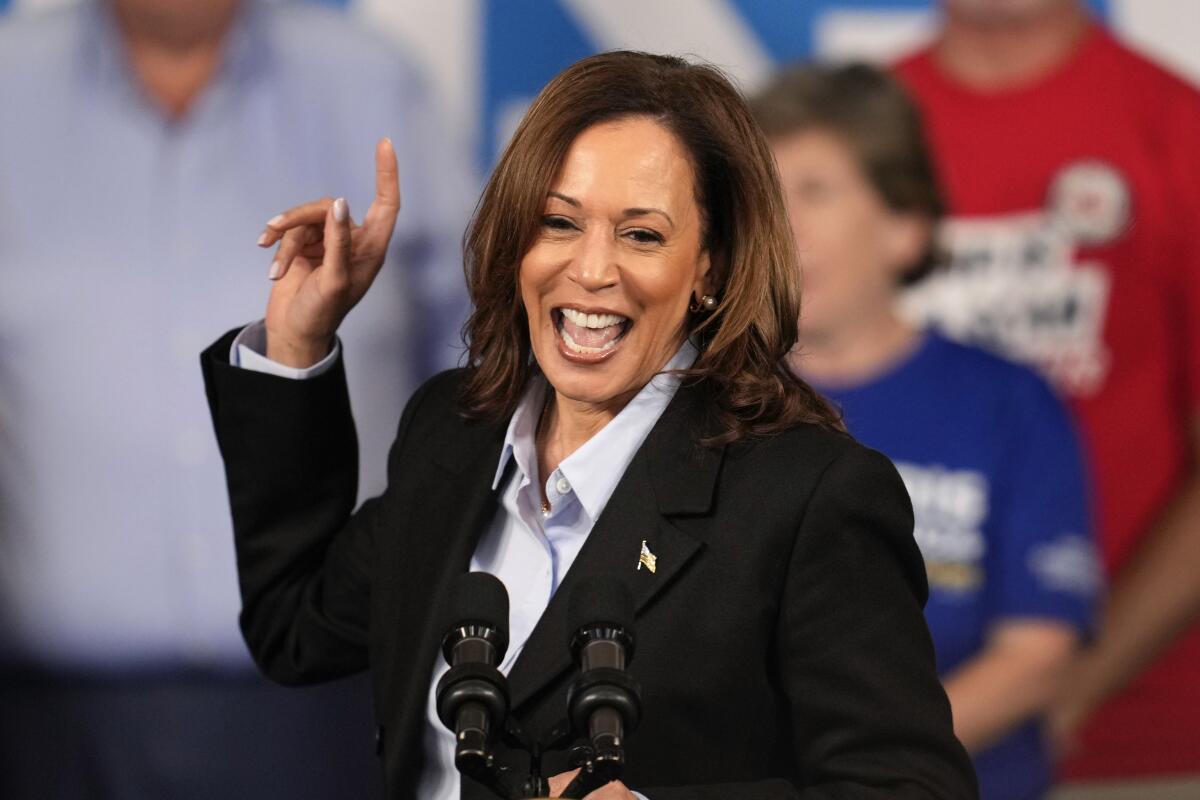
(126, 244)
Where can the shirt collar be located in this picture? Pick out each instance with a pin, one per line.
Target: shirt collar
(595, 468)
(522, 429)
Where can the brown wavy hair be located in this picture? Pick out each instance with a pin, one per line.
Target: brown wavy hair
(744, 341)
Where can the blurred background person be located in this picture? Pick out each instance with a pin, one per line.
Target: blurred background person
(986, 450)
(124, 123)
(1073, 175)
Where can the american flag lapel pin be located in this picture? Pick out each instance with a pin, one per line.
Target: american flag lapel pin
(647, 559)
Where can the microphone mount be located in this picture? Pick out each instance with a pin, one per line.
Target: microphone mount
(603, 702)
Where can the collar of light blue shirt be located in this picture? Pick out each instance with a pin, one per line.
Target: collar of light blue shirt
(595, 468)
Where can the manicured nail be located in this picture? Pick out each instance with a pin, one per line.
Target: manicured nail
(339, 209)
(275, 220)
(273, 273)
(264, 239)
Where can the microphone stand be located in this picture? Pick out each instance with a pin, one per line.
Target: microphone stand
(477, 762)
(603, 702)
(597, 766)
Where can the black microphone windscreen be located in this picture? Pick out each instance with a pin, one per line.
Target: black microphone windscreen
(600, 600)
(477, 598)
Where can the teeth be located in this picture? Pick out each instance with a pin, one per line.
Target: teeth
(592, 320)
(584, 350)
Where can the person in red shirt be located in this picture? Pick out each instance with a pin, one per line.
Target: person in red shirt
(1072, 169)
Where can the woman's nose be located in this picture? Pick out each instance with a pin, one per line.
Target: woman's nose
(594, 265)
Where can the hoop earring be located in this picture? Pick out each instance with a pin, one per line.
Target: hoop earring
(706, 304)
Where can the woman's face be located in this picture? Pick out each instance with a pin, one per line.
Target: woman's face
(852, 247)
(618, 256)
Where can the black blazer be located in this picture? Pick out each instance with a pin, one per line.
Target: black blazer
(782, 650)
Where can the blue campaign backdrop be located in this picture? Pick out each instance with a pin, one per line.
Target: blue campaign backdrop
(516, 64)
(520, 44)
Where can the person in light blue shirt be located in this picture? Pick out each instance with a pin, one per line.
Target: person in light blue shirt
(142, 144)
(987, 452)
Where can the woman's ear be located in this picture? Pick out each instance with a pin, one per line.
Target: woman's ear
(907, 240)
(708, 273)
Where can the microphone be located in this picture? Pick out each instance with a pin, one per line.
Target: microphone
(604, 703)
(472, 697)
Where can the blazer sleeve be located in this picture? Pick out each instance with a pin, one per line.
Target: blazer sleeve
(304, 560)
(870, 718)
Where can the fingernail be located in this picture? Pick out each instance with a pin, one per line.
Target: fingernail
(262, 240)
(275, 220)
(339, 209)
(273, 273)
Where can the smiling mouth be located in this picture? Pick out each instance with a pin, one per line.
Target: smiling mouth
(589, 335)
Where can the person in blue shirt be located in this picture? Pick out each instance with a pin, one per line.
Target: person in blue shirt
(143, 144)
(987, 452)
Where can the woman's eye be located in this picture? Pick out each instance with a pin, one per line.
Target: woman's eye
(557, 223)
(643, 236)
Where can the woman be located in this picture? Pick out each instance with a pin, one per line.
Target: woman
(627, 410)
(991, 463)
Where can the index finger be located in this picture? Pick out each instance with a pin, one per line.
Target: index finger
(312, 213)
(381, 216)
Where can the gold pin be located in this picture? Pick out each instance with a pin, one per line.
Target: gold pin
(647, 559)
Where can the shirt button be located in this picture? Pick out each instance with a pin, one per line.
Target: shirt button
(563, 486)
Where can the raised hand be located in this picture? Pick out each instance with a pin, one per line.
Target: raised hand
(325, 264)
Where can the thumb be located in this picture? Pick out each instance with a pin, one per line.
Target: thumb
(337, 246)
(561, 781)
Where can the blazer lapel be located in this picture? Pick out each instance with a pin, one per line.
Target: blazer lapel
(443, 540)
(669, 476)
